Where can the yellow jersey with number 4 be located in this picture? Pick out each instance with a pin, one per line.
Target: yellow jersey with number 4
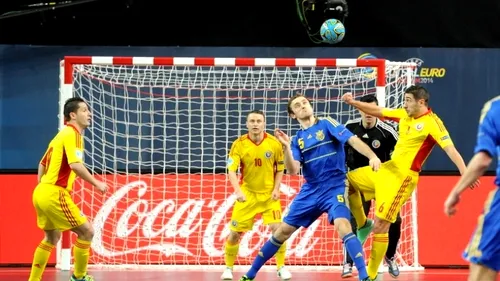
(417, 137)
(258, 162)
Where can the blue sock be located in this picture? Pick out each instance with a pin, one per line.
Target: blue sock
(355, 250)
(266, 252)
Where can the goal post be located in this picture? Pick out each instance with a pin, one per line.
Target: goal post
(160, 133)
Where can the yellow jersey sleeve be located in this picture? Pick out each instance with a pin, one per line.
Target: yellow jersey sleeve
(438, 131)
(233, 161)
(279, 158)
(73, 146)
(394, 114)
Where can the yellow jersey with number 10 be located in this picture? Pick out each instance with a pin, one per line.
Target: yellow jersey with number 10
(258, 163)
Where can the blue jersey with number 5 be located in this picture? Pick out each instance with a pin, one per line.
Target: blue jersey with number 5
(320, 150)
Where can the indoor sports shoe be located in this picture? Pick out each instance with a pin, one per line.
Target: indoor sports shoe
(84, 278)
(245, 278)
(346, 270)
(227, 274)
(393, 267)
(365, 231)
(284, 274)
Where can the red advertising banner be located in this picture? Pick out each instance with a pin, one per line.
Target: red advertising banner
(182, 219)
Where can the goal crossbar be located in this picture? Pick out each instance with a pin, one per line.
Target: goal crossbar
(221, 62)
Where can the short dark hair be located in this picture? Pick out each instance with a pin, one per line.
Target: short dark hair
(71, 105)
(369, 98)
(418, 93)
(256, 111)
(289, 106)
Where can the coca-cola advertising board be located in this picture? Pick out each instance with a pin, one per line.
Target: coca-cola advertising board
(183, 219)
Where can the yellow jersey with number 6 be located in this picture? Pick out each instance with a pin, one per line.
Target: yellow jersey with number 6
(258, 162)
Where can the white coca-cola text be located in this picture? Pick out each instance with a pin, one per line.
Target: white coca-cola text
(170, 225)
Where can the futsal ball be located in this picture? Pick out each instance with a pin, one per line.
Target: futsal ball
(332, 31)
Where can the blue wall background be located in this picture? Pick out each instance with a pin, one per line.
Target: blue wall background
(29, 89)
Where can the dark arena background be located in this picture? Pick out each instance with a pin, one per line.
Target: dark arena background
(163, 122)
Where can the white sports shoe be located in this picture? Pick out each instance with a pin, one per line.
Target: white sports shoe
(227, 274)
(284, 274)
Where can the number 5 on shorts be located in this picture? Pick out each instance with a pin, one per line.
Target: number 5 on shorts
(340, 198)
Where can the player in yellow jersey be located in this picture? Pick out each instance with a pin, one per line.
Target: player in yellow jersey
(261, 159)
(56, 211)
(420, 130)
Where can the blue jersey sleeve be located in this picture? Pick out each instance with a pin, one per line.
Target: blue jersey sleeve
(297, 155)
(337, 130)
(488, 132)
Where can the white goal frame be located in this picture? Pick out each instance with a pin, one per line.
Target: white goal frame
(63, 253)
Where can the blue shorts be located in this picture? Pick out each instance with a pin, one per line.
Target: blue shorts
(484, 247)
(312, 202)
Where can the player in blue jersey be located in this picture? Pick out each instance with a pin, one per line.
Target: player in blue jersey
(483, 251)
(319, 148)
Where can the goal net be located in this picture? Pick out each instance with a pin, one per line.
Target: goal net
(160, 134)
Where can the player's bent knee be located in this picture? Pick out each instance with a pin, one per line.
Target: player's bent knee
(84, 231)
(284, 232)
(52, 236)
(233, 237)
(274, 227)
(381, 226)
(342, 226)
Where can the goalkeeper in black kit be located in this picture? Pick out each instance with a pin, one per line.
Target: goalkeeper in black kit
(381, 137)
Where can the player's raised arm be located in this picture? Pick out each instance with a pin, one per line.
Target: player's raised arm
(291, 151)
(368, 108)
(394, 114)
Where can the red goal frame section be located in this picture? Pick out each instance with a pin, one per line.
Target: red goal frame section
(70, 61)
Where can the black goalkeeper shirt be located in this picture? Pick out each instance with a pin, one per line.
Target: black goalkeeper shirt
(381, 139)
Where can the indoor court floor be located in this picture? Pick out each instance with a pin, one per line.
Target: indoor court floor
(21, 274)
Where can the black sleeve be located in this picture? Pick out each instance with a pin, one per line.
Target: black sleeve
(348, 150)
(350, 127)
(392, 136)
